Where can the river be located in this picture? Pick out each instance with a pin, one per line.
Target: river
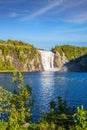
(47, 86)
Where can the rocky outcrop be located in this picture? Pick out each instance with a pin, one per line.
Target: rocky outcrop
(13, 62)
(35, 64)
(27, 58)
(75, 65)
(29, 65)
(71, 58)
(78, 64)
(59, 60)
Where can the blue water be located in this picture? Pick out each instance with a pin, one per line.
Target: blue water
(47, 86)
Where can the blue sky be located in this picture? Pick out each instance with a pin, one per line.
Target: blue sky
(44, 23)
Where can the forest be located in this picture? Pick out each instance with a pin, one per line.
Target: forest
(17, 55)
(12, 52)
(71, 52)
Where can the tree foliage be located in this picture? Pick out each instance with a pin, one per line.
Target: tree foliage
(17, 105)
(71, 52)
(17, 50)
(80, 119)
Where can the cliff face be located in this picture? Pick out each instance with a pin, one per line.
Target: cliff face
(28, 65)
(16, 55)
(75, 65)
(78, 64)
(12, 61)
(35, 64)
(70, 58)
(60, 61)
(19, 56)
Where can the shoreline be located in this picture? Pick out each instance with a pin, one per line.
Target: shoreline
(15, 71)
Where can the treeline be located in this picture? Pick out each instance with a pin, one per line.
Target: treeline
(18, 47)
(71, 52)
(18, 50)
(12, 42)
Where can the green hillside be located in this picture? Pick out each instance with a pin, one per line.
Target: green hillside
(71, 52)
(16, 50)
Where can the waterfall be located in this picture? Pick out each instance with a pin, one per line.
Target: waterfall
(47, 58)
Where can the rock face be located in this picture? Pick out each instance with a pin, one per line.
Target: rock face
(12, 62)
(30, 61)
(30, 66)
(35, 64)
(59, 60)
(71, 58)
(17, 55)
(75, 65)
(78, 65)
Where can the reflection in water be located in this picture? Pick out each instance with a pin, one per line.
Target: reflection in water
(45, 93)
(48, 86)
(47, 89)
(47, 81)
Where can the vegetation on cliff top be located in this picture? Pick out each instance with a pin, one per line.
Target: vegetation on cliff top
(17, 55)
(71, 52)
(15, 50)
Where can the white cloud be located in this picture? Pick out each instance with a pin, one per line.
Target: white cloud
(64, 5)
(75, 30)
(80, 17)
(13, 14)
(72, 11)
(64, 10)
(43, 10)
(4, 2)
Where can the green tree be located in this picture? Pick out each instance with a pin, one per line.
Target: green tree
(20, 105)
(80, 119)
(16, 105)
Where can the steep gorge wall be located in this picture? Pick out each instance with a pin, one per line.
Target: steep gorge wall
(59, 60)
(16, 55)
(35, 64)
(28, 65)
(19, 57)
(71, 58)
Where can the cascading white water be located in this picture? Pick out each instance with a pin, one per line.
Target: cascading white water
(47, 58)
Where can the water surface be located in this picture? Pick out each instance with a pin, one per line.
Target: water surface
(47, 86)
